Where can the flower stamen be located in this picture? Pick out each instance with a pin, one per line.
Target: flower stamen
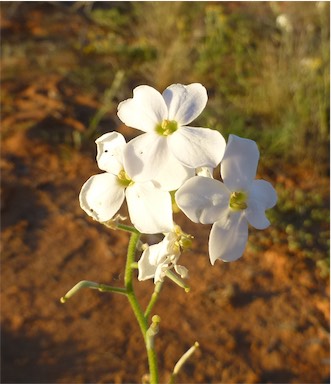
(167, 127)
(238, 201)
(124, 179)
(184, 240)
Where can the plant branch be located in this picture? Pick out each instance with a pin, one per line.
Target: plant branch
(128, 281)
(127, 228)
(182, 361)
(93, 285)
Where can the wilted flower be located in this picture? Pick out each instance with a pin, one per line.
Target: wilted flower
(231, 205)
(157, 259)
(169, 150)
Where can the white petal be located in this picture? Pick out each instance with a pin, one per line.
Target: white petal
(228, 237)
(158, 253)
(171, 174)
(150, 209)
(255, 215)
(263, 192)
(101, 196)
(110, 152)
(146, 270)
(149, 261)
(239, 164)
(169, 242)
(197, 147)
(145, 110)
(203, 199)
(145, 155)
(262, 196)
(160, 272)
(185, 102)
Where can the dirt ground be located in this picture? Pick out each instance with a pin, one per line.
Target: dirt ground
(262, 319)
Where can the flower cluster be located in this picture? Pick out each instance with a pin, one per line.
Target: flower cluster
(173, 158)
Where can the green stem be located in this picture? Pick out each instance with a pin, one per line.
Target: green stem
(153, 300)
(150, 336)
(176, 279)
(128, 281)
(128, 228)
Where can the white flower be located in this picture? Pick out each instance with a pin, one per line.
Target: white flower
(231, 205)
(169, 150)
(158, 258)
(102, 195)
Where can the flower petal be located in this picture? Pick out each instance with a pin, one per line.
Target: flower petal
(239, 164)
(146, 270)
(145, 155)
(264, 192)
(160, 272)
(171, 174)
(145, 110)
(255, 215)
(202, 199)
(228, 237)
(101, 196)
(197, 147)
(110, 148)
(262, 196)
(149, 261)
(150, 208)
(185, 102)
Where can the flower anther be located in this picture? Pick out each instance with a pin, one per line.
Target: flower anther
(123, 179)
(167, 127)
(238, 201)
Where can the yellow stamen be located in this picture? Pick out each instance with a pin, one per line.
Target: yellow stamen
(167, 127)
(238, 201)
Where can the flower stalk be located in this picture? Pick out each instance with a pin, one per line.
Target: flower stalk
(176, 279)
(127, 228)
(139, 314)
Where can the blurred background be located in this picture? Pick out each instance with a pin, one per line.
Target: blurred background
(65, 66)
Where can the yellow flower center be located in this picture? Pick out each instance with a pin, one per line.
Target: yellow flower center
(238, 201)
(124, 179)
(167, 127)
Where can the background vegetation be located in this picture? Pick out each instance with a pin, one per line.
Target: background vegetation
(266, 70)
